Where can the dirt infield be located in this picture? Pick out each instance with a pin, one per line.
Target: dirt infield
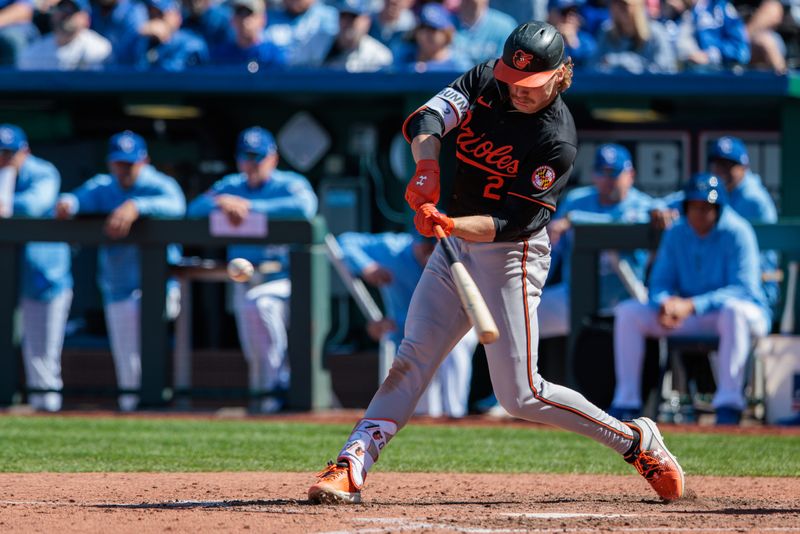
(275, 502)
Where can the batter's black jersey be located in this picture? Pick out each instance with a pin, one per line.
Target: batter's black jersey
(511, 165)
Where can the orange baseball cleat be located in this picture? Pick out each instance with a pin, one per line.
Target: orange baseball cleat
(335, 485)
(654, 462)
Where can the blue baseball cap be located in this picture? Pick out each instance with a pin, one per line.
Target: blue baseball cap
(162, 5)
(127, 146)
(612, 160)
(561, 5)
(255, 143)
(436, 16)
(356, 7)
(730, 148)
(705, 187)
(12, 138)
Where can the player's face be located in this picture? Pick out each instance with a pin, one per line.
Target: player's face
(701, 216)
(12, 158)
(257, 170)
(5, 157)
(532, 99)
(125, 173)
(731, 172)
(613, 188)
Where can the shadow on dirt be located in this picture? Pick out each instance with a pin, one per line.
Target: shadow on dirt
(179, 505)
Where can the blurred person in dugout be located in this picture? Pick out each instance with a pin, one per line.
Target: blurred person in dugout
(705, 281)
(611, 198)
(261, 306)
(394, 263)
(28, 188)
(728, 159)
(131, 189)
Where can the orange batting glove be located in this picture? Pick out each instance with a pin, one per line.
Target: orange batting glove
(427, 216)
(424, 185)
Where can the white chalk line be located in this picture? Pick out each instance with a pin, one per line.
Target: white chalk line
(397, 524)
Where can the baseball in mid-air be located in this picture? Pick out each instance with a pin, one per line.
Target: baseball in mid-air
(240, 270)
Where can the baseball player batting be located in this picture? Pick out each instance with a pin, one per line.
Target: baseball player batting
(515, 144)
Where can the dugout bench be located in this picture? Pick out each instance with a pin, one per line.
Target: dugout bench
(309, 302)
(591, 239)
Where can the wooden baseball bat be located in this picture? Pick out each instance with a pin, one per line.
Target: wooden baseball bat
(471, 298)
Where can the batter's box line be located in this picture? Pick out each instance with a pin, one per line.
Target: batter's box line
(176, 505)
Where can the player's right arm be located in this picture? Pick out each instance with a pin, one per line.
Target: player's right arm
(664, 275)
(364, 255)
(85, 199)
(425, 128)
(38, 199)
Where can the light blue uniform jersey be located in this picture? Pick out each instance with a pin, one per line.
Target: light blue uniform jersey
(155, 195)
(46, 266)
(285, 195)
(395, 253)
(709, 270)
(484, 40)
(583, 206)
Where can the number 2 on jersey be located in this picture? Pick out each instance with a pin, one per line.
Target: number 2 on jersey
(495, 182)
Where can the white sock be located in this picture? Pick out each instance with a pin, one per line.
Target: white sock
(366, 441)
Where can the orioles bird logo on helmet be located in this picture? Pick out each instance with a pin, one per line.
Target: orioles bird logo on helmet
(521, 59)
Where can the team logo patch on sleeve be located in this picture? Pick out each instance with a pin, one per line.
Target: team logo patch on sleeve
(543, 177)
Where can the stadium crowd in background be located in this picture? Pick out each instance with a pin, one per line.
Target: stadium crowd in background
(637, 36)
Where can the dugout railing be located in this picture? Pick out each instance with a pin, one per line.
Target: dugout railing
(591, 239)
(309, 304)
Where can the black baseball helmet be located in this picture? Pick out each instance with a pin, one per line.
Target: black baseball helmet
(532, 53)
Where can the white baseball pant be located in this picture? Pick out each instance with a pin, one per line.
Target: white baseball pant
(737, 324)
(510, 277)
(123, 325)
(262, 319)
(43, 325)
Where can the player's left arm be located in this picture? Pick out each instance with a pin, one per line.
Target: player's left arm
(40, 197)
(297, 201)
(164, 200)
